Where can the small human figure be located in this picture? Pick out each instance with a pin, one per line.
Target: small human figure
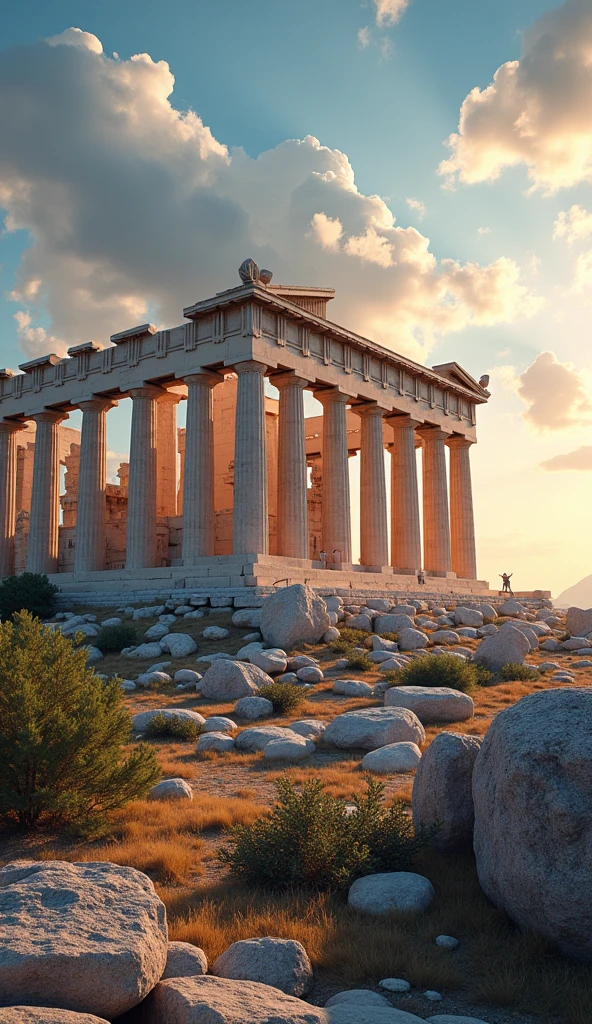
(323, 557)
(421, 577)
(505, 578)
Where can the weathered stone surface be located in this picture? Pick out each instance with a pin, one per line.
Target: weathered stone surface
(215, 633)
(219, 723)
(171, 789)
(358, 996)
(294, 615)
(550, 645)
(505, 646)
(578, 621)
(445, 636)
(392, 759)
(468, 616)
(360, 622)
(258, 737)
(442, 791)
(526, 630)
(219, 741)
(512, 608)
(356, 1013)
(488, 612)
(310, 728)
(230, 680)
(178, 645)
(451, 1018)
(157, 631)
(431, 703)
(184, 960)
(94, 654)
(149, 612)
(141, 721)
(370, 728)
(211, 1000)
(331, 635)
(352, 688)
(45, 1015)
(149, 679)
(187, 675)
(575, 643)
(249, 617)
(392, 890)
(310, 674)
(86, 937)
(532, 788)
(393, 623)
(290, 748)
(282, 963)
(253, 708)
(412, 640)
(273, 661)
(380, 644)
(151, 650)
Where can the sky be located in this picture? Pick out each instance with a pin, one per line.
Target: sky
(431, 161)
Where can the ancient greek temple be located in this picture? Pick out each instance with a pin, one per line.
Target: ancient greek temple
(252, 492)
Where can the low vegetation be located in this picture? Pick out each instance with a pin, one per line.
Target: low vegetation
(514, 672)
(440, 670)
(349, 638)
(285, 697)
(115, 638)
(31, 592)
(174, 727)
(313, 839)
(62, 756)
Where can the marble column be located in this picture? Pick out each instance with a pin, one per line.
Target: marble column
(436, 520)
(462, 526)
(199, 519)
(8, 432)
(91, 510)
(166, 454)
(141, 551)
(292, 505)
(373, 512)
(405, 522)
(42, 549)
(250, 520)
(336, 512)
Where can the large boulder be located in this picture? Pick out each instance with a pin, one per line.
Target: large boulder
(294, 615)
(282, 963)
(290, 748)
(525, 628)
(370, 728)
(253, 708)
(431, 703)
(184, 960)
(45, 1015)
(468, 616)
(512, 608)
(442, 793)
(211, 1000)
(273, 661)
(143, 651)
(578, 621)
(532, 788)
(392, 759)
(142, 720)
(231, 680)
(178, 645)
(392, 890)
(258, 737)
(392, 623)
(506, 646)
(87, 937)
(412, 640)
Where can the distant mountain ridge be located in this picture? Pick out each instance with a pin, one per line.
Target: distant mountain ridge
(579, 596)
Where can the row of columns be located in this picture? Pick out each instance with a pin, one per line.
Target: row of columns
(448, 531)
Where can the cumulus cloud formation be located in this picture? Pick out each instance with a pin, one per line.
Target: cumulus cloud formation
(580, 459)
(555, 394)
(573, 225)
(135, 210)
(536, 112)
(417, 206)
(388, 12)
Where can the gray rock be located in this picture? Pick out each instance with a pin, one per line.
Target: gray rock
(178, 645)
(141, 721)
(294, 615)
(113, 621)
(310, 728)
(431, 703)
(446, 941)
(378, 657)
(352, 688)
(45, 1015)
(94, 655)
(576, 643)
(167, 620)
(187, 675)
(442, 792)
(171, 789)
(434, 997)
(407, 609)
(281, 963)
(310, 674)
(151, 650)
(546, 666)
(584, 663)
(331, 635)
(380, 644)
(258, 737)
(360, 622)
(392, 890)
(468, 616)
(507, 645)
(532, 788)
(87, 937)
(392, 759)
(215, 633)
(149, 612)
(184, 960)
(247, 617)
(230, 680)
(412, 639)
(445, 636)
(451, 1018)
(392, 623)
(578, 621)
(249, 637)
(370, 728)
(290, 748)
(468, 632)
(157, 631)
(273, 661)
(253, 708)
(301, 661)
(487, 630)
(359, 997)
(127, 685)
(148, 679)
(394, 985)
(244, 653)
(550, 645)
(512, 608)
(526, 629)
(211, 1000)
(218, 723)
(219, 741)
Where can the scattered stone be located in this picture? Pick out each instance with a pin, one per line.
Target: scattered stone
(352, 688)
(507, 645)
(487, 630)
(159, 666)
(512, 608)
(258, 737)
(550, 645)
(394, 985)
(563, 677)
(215, 633)
(301, 661)
(178, 645)
(434, 997)
(253, 708)
(187, 675)
(392, 759)
(446, 941)
(217, 723)
(578, 621)
(184, 960)
(230, 680)
(114, 621)
(526, 629)
(291, 677)
(219, 741)
(585, 663)
(412, 639)
(167, 620)
(151, 612)
(468, 617)
(391, 890)
(380, 644)
(310, 674)
(310, 728)
(247, 617)
(148, 679)
(294, 615)
(151, 650)
(141, 721)
(281, 963)
(393, 664)
(393, 623)
(370, 728)
(171, 789)
(252, 636)
(451, 1018)
(217, 602)
(273, 661)
(87, 937)
(45, 1015)
(331, 635)
(359, 997)
(445, 636)
(245, 652)
(442, 790)
(127, 685)
(407, 609)
(360, 622)
(94, 655)
(86, 628)
(532, 787)
(157, 631)
(211, 1000)
(293, 748)
(575, 643)
(431, 704)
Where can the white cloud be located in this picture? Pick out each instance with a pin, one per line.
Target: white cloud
(135, 209)
(483, 231)
(536, 112)
(388, 12)
(574, 224)
(555, 394)
(580, 459)
(583, 273)
(364, 37)
(417, 205)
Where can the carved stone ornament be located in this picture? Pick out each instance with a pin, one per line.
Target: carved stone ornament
(248, 271)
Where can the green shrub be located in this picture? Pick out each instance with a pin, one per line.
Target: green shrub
(438, 670)
(115, 638)
(310, 839)
(285, 697)
(360, 661)
(513, 671)
(349, 638)
(62, 735)
(173, 727)
(31, 592)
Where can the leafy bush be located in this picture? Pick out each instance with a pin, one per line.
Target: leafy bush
(115, 638)
(310, 839)
(63, 730)
(31, 592)
(349, 638)
(360, 661)
(514, 671)
(438, 670)
(173, 727)
(285, 697)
